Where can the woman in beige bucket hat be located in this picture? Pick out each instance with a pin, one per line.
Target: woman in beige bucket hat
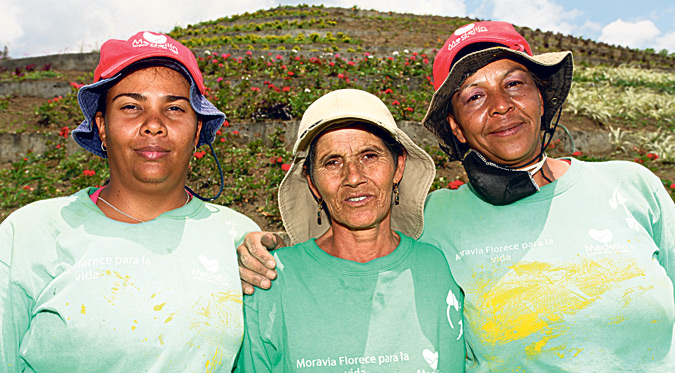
(356, 292)
(565, 265)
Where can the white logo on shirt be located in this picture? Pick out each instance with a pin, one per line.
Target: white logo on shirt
(210, 265)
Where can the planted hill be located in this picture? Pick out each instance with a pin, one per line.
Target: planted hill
(264, 68)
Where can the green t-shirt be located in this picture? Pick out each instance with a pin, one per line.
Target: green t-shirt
(576, 277)
(398, 313)
(81, 292)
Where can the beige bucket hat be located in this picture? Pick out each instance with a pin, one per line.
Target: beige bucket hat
(296, 202)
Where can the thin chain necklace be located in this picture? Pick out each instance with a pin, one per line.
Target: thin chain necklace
(132, 217)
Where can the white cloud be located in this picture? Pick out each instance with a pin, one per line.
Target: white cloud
(83, 25)
(542, 14)
(666, 41)
(10, 28)
(631, 34)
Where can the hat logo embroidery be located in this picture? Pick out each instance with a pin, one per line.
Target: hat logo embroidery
(154, 41)
(466, 32)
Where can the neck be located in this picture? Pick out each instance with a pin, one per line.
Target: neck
(553, 169)
(143, 204)
(359, 245)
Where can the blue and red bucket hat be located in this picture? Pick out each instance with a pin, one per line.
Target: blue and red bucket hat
(151, 49)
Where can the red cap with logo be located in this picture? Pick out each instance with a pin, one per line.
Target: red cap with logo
(501, 33)
(118, 54)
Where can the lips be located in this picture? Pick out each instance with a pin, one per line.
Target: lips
(507, 130)
(152, 152)
(357, 200)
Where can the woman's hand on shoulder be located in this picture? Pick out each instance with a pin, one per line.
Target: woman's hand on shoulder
(256, 264)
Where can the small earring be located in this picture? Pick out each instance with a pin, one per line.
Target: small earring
(103, 147)
(318, 212)
(396, 193)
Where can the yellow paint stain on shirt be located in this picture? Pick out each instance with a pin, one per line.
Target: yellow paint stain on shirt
(161, 339)
(168, 318)
(159, 307)
(83, 310)
(215, 361)
(133, 327)
(67, 303)
(617, 319)
(533, 297)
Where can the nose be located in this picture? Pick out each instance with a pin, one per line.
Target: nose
(500, 102)
(153, 123)
(353, 174)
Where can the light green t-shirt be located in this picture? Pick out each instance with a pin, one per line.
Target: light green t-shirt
(576, 277)
(398, 313)
(81, 292)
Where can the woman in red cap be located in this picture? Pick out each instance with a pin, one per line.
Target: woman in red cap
(138, 275)
(565, 265)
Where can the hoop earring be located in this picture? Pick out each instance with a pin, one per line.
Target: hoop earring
(318, 212)
(396, 193)
(103, 147)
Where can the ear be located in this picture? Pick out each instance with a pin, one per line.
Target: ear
(456, 129)
(198, 132)
(312, 187)
(99, 118)
(400, 167)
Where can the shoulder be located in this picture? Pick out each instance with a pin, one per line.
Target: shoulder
(46, 209)
(226, 214)
(630, 173)
(425, 251)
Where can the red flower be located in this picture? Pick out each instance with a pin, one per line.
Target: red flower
(387, 91)
(290, 73)
(638, 160)
(64, 132)
(409, 109)
(280, 159)
(76, 85)
(27, 187)
(279, 57)
(455, 184)
(286, 89)
(672, 186)
(222, 139)
(577, 153)
(215, 61)
(285, 167)
(248, 53)
(652, 156)
(226, 123)
(273, 160)
(89, 173)
(341, 76)
(331, 64)
(200, 155)
(255, 89)
(352, 63)
(218, 133)
(235, 132)
(396, 102)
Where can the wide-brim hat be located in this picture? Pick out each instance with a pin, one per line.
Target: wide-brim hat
(338, 108)
(452, 68)
(149, 49)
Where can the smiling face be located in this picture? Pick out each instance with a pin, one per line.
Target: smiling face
(354, 173)
(149, 128)
(497, 112)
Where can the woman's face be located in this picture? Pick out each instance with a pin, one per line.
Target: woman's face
(497, 112)
(149, 128)
(354, 173)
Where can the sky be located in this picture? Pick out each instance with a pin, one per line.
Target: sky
(43, 27)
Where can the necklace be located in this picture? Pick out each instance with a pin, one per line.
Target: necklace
(132, 217)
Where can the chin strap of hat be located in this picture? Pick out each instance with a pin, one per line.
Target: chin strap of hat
(222, 180)
(550, 130)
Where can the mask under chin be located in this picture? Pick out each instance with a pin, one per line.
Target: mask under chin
(495, 184)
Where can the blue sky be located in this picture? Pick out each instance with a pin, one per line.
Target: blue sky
(41, 27)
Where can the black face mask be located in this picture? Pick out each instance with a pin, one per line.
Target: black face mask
(496, 184)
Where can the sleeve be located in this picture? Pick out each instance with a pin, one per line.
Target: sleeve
(663, 228)
(255, 355)
(245, 227)
(15, 305)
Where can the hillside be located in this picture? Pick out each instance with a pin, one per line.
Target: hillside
(264, 68)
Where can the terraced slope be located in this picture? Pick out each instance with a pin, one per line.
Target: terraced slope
(264, 68)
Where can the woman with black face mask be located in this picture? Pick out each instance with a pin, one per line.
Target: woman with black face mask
(565, 265)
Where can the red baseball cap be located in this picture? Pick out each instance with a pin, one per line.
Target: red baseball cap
(496, 32)
(118, 54)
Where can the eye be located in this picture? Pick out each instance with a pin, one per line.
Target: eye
(473, 98)
(129, 107)
(370, 156)
(513, 83)
(331, 163)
